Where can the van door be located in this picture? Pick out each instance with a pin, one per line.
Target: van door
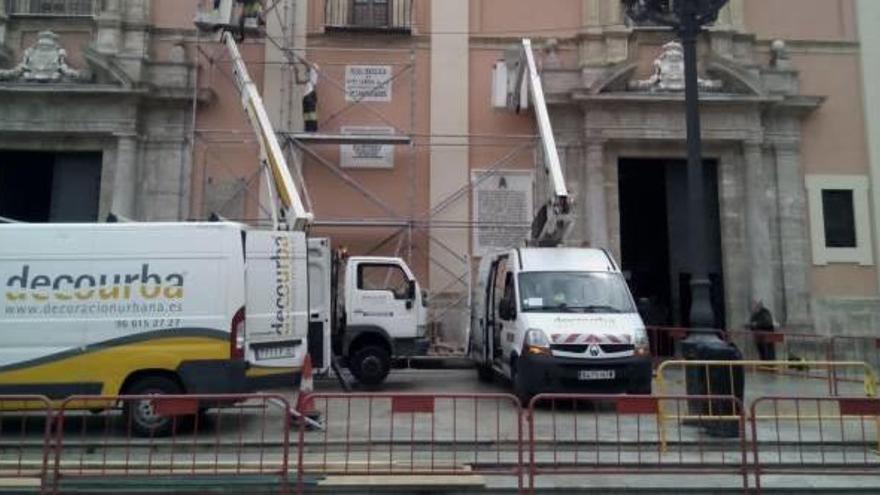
(495, 324)
(505, 330)
(320, 303)
(478, 340)
(276, 331)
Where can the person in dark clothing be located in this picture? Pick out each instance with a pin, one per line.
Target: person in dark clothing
(310, 100)
(762, 321)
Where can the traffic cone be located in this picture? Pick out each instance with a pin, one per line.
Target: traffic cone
(305, 403)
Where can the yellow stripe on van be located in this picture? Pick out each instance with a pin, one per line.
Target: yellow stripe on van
(261, 371)
(111, 364)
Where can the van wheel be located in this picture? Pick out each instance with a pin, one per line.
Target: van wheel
(485, 373)
(371, 365)
(140, 415)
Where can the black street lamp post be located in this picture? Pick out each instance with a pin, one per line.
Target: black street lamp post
(688, 17)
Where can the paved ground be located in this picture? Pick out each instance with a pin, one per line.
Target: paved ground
(479, 438)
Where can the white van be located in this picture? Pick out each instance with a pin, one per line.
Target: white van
(144, 308)
(558, 320)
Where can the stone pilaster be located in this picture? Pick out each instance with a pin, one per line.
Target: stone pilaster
(760, 248)
(108, 39)
(735, 262)
(125, 179)
(732, 16)
(134, 42)
(592, 14)
(576, 179)
(596, 200)
(3, 20)
(5, 53)
(449, 157)
(737, 9)
(604, 37)
(794, 239)
(136, 11)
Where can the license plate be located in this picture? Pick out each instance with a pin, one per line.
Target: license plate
(593, 375)
(267, 353)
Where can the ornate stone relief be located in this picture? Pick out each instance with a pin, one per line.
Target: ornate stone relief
(45, 62)
(668, 73)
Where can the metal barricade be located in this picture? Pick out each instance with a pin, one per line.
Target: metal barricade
(768, 385)
(855, 348)
(197, 438)
(25, 429)
(593, 435)
(445, 435)
(815, 435)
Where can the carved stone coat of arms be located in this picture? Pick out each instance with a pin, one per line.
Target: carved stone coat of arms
(45, 61)
(668, 74)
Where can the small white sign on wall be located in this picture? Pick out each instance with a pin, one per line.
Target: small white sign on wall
(368, 83)
(367, 155)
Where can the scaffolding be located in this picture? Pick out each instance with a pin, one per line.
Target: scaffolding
(229, 178)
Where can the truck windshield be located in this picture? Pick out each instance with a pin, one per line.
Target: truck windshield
(574, 292)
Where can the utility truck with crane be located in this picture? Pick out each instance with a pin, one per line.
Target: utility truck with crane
(365, 311)
(198, 308)
(551, 318)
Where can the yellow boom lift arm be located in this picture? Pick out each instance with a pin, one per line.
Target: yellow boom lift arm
(293, 212)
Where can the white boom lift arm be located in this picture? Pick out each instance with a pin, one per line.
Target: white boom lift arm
(554, 219)
(293, 213)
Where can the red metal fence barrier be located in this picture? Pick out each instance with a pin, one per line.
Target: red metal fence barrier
(25, 425)
(192, 436)
(785, 345)
(665, 342)
(446, 435)
(413, 434)
(588, 435)
(831, 436)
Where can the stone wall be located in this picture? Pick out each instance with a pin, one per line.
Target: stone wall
(847, 316)
(134, 109)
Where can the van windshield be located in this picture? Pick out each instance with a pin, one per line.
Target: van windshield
(574, 292)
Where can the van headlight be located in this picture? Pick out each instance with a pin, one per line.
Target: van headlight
(536, 343)
(641, 344)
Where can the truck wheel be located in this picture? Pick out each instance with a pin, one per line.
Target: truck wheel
(485, 373)
(371, 365)
(140, 415)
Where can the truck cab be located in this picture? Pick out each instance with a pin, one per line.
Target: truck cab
(558, 320)
(375, 311)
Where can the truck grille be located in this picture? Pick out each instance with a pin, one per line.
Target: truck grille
(582, 348)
